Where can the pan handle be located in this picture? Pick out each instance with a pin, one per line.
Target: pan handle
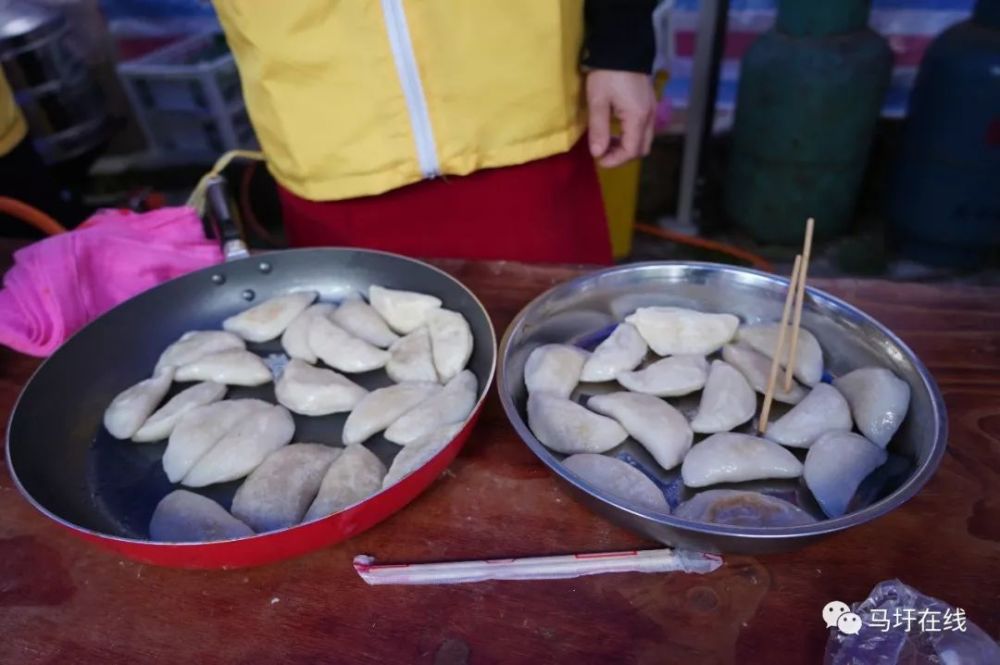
(226, 231)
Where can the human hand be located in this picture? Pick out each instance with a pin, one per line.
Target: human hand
(628, 97)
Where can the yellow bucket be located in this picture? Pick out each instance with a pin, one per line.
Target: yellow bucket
(620, 189)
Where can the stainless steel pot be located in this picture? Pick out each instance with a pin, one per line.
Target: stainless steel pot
(61, 101)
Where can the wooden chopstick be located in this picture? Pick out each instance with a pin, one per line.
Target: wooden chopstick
(800, 296)
(772, 379)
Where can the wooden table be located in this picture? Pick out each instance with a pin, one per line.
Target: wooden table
(64, 601)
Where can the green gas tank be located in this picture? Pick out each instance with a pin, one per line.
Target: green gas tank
(809, 96)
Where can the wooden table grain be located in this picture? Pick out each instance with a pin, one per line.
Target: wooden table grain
(65, 601)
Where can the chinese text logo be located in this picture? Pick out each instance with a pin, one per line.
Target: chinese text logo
(839, 615)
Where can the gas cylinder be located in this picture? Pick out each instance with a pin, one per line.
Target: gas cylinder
(809, 96)
(944, 196)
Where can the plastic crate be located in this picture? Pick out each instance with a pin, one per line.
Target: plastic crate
(198, 135)
(187, 98)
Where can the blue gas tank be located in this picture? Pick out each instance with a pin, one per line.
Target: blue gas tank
(944, 196)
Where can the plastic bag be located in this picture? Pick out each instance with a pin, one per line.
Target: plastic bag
(931, 642)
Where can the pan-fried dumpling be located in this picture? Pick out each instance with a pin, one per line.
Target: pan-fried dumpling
(567, 427)
(669, 377)
(756, 367)
(410, 358)
(380, 408)
(355, 475)
(186, 517)
(243, 448)
(674, 331)
(131, 407)
(341, 350)
(233, 368)
(201, 428)
(313, 391)
(742, 508)
(554, 368)
(879, 401)
(162, 422)
(269, 319)
(835, 466)
(452, 404)
(195, 344)
(451, 342)
(279, 491)
(295, 339)
(727, 402)
(619, 479)
(419, 452)
(659, 427)
(361, 320)
(622, 351)
(823, 410)
(404, 311)
(809, 356)
(734, 458)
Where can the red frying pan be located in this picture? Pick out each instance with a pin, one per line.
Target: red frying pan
(104, 490)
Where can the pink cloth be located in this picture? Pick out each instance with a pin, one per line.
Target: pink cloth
(59, 284)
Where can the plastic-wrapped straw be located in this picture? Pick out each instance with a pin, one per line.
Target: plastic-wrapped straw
(536, 568)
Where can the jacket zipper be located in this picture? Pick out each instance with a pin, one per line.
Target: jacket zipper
(413, 90)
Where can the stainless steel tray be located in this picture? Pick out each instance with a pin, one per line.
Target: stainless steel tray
(583, 311)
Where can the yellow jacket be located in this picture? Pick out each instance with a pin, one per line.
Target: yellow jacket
(12, 125)
(356, 97)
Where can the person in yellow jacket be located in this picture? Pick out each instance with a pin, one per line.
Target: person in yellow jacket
(446, 127)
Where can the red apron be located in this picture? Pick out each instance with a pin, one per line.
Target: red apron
(548, 210)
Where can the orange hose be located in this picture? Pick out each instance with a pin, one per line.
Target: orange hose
(754, 260)
(31, 215)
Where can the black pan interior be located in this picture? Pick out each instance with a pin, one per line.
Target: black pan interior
(68, 463)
